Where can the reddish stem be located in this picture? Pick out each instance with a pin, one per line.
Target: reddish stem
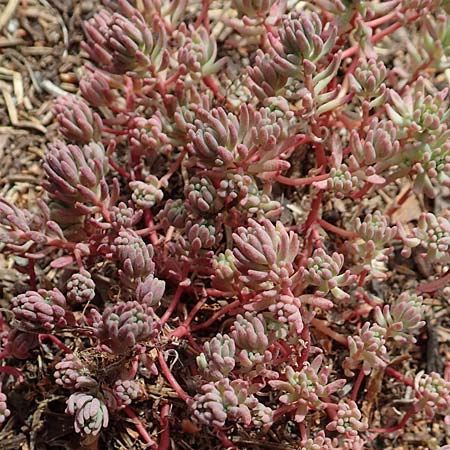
(12, 371)
(357, 384)
(115, 132)
(336, 230)
(227, 444)
(175, 166)
(400, 425)
(283, 410)
(381, 20)
(193, 343)
(217, 315)
(140, 427)
(399, 376)
(399, 202)
(211, 84)
(164, 442)
(149, 224)
(314, 212)
(32, 274)
(121, 171)
(55, 341)
(170, 378)
(362, 192)
(434, 285)
(301, 181)
(184, 328)
(148, 231)
(172, 306)
(203, 17)
(377, 37)
(322, 326)
(305, 352)
(362, 277)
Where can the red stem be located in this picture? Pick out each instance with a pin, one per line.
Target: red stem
(357, 384)
(362, 192)
(400, 425)
(172, 306)
(55, 341)
(217, 315)
(322, 326)
(301, 181)
(184, 328)
(283, 410)
(13, 371)
(148, 220)
(305, 352)
(164, 442)
(170, 378)
(175, 166)
(227, 444)
(119, 170)
(203, 17)
(336, 230)
(399, 376)
(176, 298)
(434, 285)
(212, 85)
(362, 277)
(139, 426)
(377, 37)
(381, 20)
(314, 212)
(32, 274)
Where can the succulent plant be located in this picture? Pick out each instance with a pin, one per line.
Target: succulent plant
(71, 373)
(91, 414)
(237, 183)
(302, 38)
(217, 359)
(264, 255)
(150, 291)
(402, 318)
(221, 400)
(433, 393)
(81, 287)
(323, 271)
(4, 411)
(251, 336)
(307, 387)
(367, 350)
(20, 343)
(41, 310)
(124, 325)
(126, 391)
(134, 255)
(433, 234)
(349, 420)
(77, 121)
(76, 175)
(120, 44)
(146, 195)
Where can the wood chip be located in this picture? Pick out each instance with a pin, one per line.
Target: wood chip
(8, 12)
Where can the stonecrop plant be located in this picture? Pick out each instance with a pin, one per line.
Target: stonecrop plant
(225, 219)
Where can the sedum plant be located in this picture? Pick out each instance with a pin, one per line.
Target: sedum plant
(224, 224)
